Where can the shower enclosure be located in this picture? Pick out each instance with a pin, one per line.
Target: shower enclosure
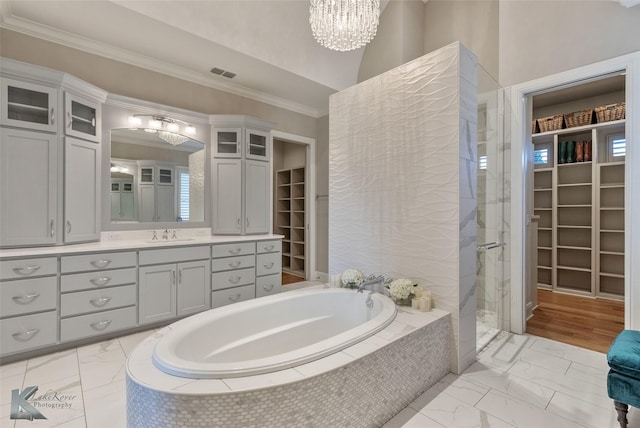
(492, 280)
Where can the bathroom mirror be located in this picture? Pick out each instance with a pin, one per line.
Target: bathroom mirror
(155, 178)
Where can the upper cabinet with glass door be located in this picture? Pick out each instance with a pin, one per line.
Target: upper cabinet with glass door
(82, 118)
(257, 146)
(29, 105)
(228, 142)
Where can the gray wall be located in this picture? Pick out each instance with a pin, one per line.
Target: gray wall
(539, 38)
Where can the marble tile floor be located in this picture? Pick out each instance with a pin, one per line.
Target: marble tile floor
(485, 330)
(517, 381)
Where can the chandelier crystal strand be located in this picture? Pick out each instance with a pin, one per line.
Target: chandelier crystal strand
(344, 25)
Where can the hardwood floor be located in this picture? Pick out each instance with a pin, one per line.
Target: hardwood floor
(287, 278)
(581, 321)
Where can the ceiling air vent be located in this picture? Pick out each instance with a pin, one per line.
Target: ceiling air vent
(221, 72)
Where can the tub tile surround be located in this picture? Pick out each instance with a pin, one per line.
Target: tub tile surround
(455, 401)
(402, 182)
(337, 390)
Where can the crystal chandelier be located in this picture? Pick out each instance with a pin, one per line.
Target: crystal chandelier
(172, 138)
(344, 25)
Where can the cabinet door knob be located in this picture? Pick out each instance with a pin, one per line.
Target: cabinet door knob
(235, 298)
(100, 263)
(70, 120)
(99, 282)
(100, 302)
(26, 299)
(267, 288)
(100, 325)
(24, 336)
(27, 270)
(68, 227)
(53, 116)
(238, 223)
(51, 229)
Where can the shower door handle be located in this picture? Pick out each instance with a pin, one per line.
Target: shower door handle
(491, 245)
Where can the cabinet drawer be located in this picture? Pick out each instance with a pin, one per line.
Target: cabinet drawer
(267, 285)
(273, 246)
(232, 295)
(229, 263)
(172, 255)
(267, 264)
(238, 249)
(22, 268)
(97, 324)
(83, 302)
(28, 332)
(93, 280)
(28, 295)
(232, 278)
(97, 261)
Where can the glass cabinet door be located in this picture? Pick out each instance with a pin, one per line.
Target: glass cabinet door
(82, 118)
(228, 142)
(257, 145)
(27, 105)
(146, 175)
(165, 176)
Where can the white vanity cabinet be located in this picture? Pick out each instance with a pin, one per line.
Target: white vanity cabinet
(233, 273)
(28, 304)
(28, 188)
(97, 294)
(173, 282)
(241, 175)
(82, 190)
(268, 267)
(45, 157)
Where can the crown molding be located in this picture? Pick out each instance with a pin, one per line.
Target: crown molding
(628, 3)
(30, 28)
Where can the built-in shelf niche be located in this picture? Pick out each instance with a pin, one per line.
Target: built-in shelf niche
(291, 218)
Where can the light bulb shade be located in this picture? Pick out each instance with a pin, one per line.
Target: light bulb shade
(173, 127)
(344, 25)
(190, 130)
(135, 121)
(155, 124)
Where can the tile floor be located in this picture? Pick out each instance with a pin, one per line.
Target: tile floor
(518, 381)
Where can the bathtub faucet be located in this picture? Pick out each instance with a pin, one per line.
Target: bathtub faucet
(375, 284)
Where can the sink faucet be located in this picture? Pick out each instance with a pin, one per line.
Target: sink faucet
(155, 236)
(173, 235)
(165, 234)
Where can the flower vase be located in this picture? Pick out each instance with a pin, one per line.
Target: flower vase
(402, 302)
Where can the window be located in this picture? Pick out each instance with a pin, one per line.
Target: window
(183, 195)
(617, 147)
(482, 162)
(541, 156)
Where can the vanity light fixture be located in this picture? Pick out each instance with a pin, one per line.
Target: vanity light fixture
(344, 25)
(168, 129)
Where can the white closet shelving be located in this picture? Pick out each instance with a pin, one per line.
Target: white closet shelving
(291, 218)
(581, 209)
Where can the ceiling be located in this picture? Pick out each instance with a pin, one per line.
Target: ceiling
(267, 43)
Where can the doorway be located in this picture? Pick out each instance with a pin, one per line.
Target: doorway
(293, 216)
(524, 289)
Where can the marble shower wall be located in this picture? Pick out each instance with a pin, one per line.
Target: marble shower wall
(402, 182)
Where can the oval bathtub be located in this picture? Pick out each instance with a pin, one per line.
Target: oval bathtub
(270, 333)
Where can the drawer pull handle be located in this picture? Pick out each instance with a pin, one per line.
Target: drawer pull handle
(100, 281)
(98, 303)
(267, 288)
(235, 279)
(235, 251)
(101, 263)
(235, 264)
(70, 120)
(53, 116)
(24, 271)
(51, 230)
(24, 336)
(68, 227)
(101, 325)
(235, 298)
(269, 265)
(268, 248)
(25, 300)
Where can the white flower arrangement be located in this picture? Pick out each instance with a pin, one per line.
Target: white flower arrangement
(351, 278)
(401, 288)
